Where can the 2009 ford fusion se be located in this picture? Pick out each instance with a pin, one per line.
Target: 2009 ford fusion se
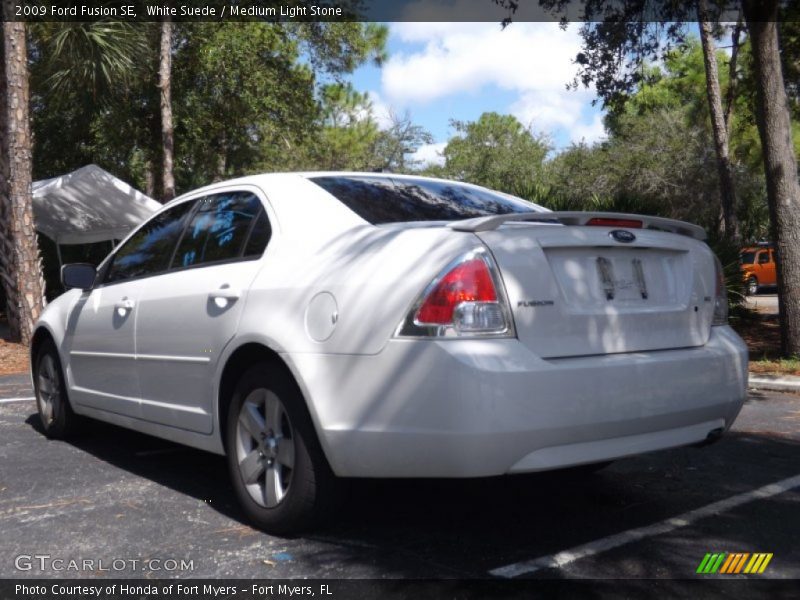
(314, 326)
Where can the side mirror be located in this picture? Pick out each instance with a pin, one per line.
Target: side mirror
(78, 275)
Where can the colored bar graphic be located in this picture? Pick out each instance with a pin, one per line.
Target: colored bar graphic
(765, 563)
(716, 566)
(725, 563)
(740, 564)
(703, 563)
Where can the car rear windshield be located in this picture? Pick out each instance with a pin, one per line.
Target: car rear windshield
(747, 258)
(394, 200)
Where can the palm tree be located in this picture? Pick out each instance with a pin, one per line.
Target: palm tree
(20, 265)
(94, 57)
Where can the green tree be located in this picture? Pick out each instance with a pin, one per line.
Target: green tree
(618, 40)
(87, 98)
(349, 133)
(243, 100)
(496, 151)
(397, 143)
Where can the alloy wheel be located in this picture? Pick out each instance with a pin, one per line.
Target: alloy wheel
(49, 389)
(265, 447)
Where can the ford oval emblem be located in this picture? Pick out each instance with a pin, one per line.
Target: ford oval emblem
(620, 235)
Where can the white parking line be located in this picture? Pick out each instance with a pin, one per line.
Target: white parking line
(8, 400)
(633, 535)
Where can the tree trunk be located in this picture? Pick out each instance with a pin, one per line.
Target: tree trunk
(733, 79)
(727, 186)
(780, 165)
(20, 265)
(149, 179)
(167, 129)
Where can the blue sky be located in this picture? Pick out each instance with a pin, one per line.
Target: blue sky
(441, 71)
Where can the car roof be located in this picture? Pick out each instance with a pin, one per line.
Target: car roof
(264, 178)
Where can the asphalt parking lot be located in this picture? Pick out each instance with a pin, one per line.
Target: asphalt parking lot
(116, 495)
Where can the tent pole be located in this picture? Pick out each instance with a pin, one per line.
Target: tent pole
(58, 252)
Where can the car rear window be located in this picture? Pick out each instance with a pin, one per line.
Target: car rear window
(394, 200)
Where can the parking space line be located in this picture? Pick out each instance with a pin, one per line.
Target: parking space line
(592, 548)
(8, 400)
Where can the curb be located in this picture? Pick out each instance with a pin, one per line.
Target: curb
(773, 383)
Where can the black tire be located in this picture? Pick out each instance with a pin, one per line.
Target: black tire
(52, 402)
(751, 287)
(310, 489)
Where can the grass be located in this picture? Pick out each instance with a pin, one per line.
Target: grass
(781, 366)
(763, 339)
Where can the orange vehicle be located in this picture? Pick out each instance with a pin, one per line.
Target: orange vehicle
(758, 268)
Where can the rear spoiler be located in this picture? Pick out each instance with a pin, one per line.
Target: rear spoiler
(492, 222)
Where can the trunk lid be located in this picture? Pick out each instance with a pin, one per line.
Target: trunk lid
(578, 291)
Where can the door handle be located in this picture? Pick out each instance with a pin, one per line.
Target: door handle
(123, 306)
(225, 295)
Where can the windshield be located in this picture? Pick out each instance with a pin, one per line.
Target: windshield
(392, 200)
(747, 258)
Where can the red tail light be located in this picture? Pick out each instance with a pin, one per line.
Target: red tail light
(466, 299)
(469, 281)
(605, 222)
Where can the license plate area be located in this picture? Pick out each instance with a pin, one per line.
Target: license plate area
(622, 280)
(595, 279)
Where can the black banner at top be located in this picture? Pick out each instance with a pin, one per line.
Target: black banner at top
(376, 10)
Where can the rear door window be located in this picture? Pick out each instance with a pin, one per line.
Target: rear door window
(220, 230)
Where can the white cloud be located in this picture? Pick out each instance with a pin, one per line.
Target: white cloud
(532, 60)
(429, 154)
(589, 132)
(463, 57)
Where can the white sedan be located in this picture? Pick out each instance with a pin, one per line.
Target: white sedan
(313, 326)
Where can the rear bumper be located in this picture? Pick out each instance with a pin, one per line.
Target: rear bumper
(487, 407)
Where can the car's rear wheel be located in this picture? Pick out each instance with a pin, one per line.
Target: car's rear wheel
(752, 286)
(277, 467)
(55, 412)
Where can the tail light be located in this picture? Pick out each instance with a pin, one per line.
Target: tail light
(467, 299)
(606, 222)
(720, 296)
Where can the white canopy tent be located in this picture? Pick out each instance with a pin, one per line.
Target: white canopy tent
(87, 206)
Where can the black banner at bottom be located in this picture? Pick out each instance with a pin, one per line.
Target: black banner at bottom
(392, 589)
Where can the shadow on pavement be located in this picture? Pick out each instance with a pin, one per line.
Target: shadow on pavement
(468, 526)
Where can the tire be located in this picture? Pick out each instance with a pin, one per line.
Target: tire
(55, 412)
(751, 288)
(279, 473)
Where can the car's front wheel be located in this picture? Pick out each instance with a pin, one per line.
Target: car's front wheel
(55, 412)
(277, 467)
(752, 286)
